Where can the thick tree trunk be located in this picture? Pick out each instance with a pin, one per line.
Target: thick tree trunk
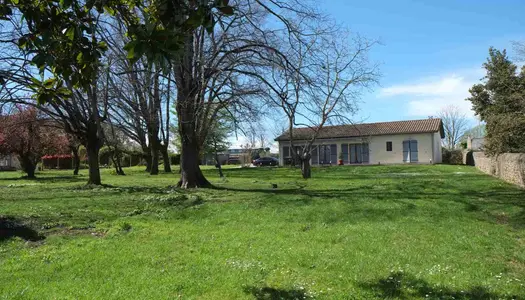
(30, 170)
(306, 169)
(93, 148)
(29, 166)
(76, 160)
(190, 173)
(166, 159)
(187, 106)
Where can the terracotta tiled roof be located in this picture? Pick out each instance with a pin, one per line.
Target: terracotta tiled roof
(369, 129)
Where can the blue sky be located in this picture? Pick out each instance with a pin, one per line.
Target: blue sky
(431, 51)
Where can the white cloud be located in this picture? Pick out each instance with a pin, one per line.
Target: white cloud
(443, 86)
(430, 107)
(428, 96)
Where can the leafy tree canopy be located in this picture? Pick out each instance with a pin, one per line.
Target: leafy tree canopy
(500, 102)
(60, 35)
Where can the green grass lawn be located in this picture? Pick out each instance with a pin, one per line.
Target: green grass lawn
(441, 232)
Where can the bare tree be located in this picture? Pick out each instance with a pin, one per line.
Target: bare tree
(455, 124)
(114, 140)
(215, 74)
(329, 73)
(140, 89)
(164, 129)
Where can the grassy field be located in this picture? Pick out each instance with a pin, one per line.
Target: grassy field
(440, 232)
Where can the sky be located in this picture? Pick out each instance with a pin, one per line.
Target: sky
(431, 52)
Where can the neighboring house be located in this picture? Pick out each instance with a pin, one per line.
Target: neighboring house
(209, 159)
(8, 163)
(414, 141)
(234, 155)
(475, 144)
(230, 156)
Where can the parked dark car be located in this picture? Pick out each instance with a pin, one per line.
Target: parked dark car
(266, 161)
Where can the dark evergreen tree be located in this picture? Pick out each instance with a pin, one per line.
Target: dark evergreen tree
(500, 102)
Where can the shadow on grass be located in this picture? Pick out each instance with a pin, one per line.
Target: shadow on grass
(125, 189)
(12, 227)
(268, 293)
(475, 194)
(400, 285)
(69, 178)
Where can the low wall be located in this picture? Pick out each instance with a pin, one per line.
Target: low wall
(508, 166)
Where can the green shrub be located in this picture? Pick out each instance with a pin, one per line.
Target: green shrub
(452, 157)
(125, 226)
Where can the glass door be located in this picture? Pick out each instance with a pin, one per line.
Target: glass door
(358, 153)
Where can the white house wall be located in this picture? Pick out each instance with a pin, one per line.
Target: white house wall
(429, 147)
(378, 153)
(438, 157)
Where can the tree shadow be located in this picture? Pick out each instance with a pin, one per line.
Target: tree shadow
(12, 227)
(269, 293)
(70, 178)
(399, 285)
(127, 189)
(483, 201)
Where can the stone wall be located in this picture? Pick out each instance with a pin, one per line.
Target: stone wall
(508, 166)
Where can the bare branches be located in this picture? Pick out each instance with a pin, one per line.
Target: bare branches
(319, 83)
(455, 124)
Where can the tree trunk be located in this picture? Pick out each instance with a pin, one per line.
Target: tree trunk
(217, 161)
(147, 160)
(29, 166)
(115, 158)
(76, 160)
(306, 169)
(154, 145)
(187, 106)
(190, 173)
(166, 158)
(120, 171)
(92, 149)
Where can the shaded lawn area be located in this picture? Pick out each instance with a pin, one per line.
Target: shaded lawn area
(399, 232)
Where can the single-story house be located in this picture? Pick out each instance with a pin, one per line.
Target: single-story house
(413, 141)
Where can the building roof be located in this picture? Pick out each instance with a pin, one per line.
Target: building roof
(369, 129)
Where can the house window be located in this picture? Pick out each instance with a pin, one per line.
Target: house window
(388, 146)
